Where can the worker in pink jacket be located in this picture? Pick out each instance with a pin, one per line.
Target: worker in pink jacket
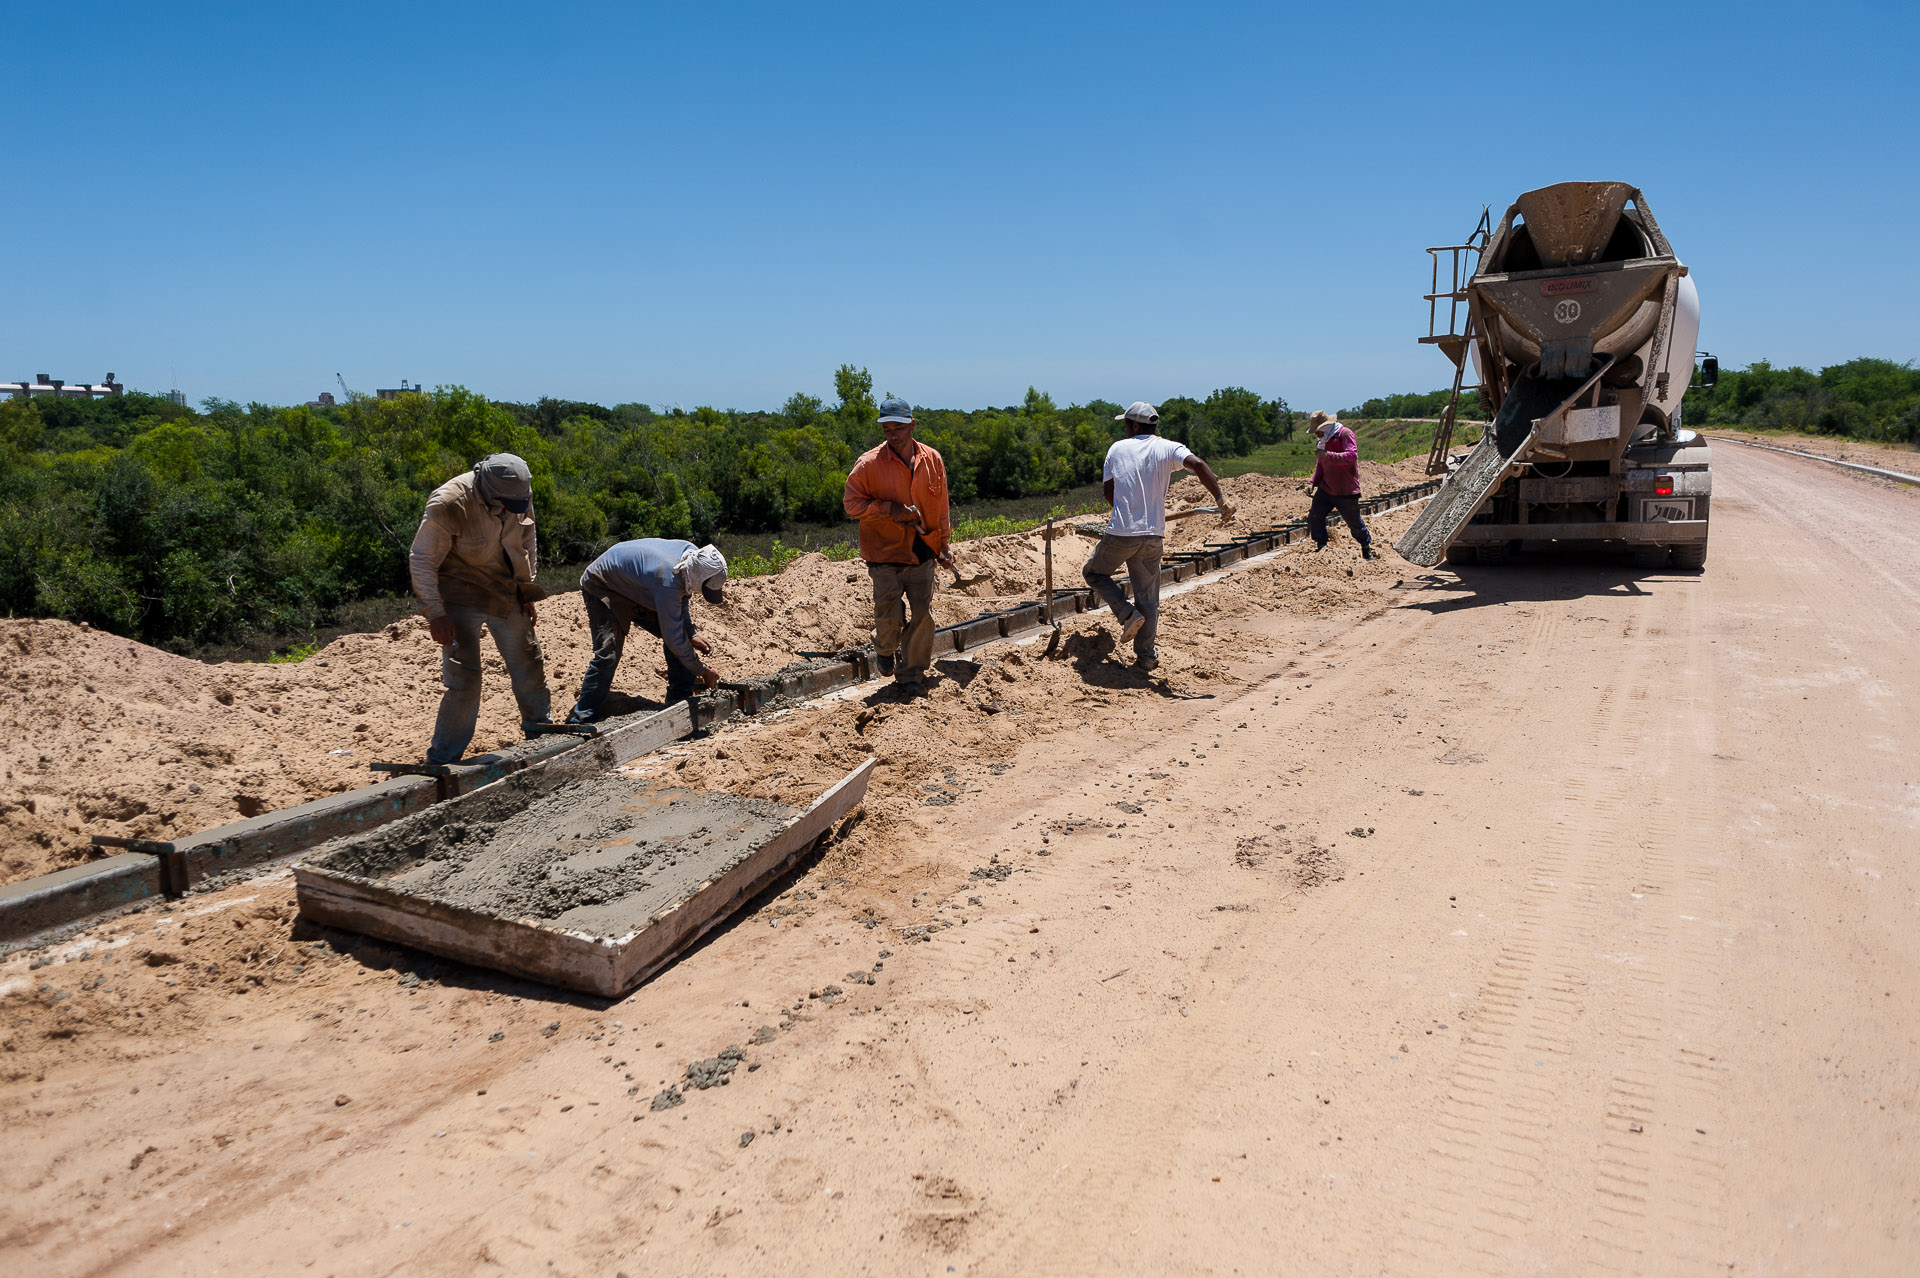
(1336, 481)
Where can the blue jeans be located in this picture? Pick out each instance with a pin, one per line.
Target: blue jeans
(608, 630)
(1141, 555)
(460, 675)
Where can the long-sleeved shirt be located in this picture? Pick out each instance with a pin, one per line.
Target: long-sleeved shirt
(1337, 473)
(879, 479)
(640, 574)
(470, 552)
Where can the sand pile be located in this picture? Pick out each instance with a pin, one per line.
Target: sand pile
(101, 735)
(982, 710)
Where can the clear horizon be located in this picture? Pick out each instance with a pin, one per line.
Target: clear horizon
(719, 207)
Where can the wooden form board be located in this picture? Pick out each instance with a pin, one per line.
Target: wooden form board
(607, 966)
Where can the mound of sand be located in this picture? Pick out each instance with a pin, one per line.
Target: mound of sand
(102, 735)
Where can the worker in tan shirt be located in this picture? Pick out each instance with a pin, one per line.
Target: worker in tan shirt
(898, 492)
(472, 565)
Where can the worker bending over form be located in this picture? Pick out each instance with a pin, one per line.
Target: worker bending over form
(472, 565)
(651, 581)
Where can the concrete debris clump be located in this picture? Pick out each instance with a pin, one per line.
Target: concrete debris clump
(715, 1071)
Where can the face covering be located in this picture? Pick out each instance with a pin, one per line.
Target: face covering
(518, 507)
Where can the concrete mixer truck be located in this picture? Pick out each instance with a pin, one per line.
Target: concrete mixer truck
(1580, 325)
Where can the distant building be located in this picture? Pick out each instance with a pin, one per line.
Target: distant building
(325, 401)
(405, 389)
(44, 385)
(178, 396)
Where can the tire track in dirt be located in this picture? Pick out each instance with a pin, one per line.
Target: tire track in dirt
(1515, 1145)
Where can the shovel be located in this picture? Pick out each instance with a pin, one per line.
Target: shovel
(959, 582)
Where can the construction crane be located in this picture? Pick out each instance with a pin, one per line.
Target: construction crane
(345, 394)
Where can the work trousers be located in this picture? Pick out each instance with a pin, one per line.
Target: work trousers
(460, 675)
(608, 629)
(895, 588)
(1349, 508)
(1141, 555)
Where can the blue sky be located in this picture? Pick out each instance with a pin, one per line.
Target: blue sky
(719, 204)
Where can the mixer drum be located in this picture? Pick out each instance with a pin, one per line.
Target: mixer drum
(1577, 277)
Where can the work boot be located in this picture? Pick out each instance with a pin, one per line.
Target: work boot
(883, 662)
(1319, 546)
(1146, 663)
(1132, 628)
(1366, 550)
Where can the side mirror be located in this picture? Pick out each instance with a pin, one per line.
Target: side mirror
(1709, 372)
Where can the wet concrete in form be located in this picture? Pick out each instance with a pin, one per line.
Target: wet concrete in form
(603, 856)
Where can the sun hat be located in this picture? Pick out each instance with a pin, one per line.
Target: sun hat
(895, 410)
(1139, 411)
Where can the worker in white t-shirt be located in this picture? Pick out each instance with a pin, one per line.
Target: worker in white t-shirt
(1138, 470)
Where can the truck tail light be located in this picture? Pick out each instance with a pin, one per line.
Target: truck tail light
(1663, 485)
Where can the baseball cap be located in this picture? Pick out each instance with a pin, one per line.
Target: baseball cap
(1139, 411)
(895, 410)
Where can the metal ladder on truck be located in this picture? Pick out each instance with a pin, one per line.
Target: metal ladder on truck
(1457, 341)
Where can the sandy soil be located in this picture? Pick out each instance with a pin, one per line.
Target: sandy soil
(1549, 919)
(101, 735)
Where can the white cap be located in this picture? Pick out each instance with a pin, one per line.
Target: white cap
(1139, 411)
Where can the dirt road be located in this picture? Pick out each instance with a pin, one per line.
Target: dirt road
(1549, 919)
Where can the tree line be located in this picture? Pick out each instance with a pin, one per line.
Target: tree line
(1417, 405)
(1862, 398)
(182, 527)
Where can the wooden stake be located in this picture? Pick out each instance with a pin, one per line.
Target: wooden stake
(1046, 609)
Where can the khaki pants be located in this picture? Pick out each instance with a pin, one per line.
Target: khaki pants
(895, 587)
(460, 675)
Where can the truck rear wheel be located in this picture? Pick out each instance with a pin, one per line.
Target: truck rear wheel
(1648, 555)
(1493, 554)
(1690, 554)
(1458, 554)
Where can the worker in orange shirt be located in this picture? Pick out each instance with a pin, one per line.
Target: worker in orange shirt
(898, 492)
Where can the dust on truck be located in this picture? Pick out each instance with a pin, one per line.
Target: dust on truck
(1580, 324)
